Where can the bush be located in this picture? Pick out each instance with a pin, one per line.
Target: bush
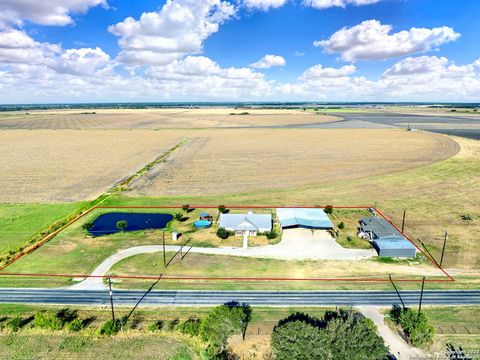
(122, 225)
(415, 325)
(349, 238)
(341, 226)
(15, 323)
(467, 217)
(110, 327)
(222, 209)
(328, 209)
(87, 226)
(46, 320)
(186, 207)
(178, 216)
(190, 326)
(171, 324)
(223, 233)
(75, 325)
(156, 326)
(271, 234)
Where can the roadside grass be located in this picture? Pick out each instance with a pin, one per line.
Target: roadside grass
(19, 222)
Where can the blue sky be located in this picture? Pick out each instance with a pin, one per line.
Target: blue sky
(90, 61)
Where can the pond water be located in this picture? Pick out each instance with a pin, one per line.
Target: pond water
(106, 224)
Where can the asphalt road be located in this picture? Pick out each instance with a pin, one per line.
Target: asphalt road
(254, 298)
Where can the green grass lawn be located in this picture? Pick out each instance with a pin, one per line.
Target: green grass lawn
(19, 222)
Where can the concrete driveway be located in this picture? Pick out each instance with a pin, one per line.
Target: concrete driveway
(296, 244)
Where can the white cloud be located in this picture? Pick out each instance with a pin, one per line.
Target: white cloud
(324, 4)
(178, 29)
(423, 78)
(84, 61)
(319, 72)
(371, 40)
(16, 46)
(264, 4)
(44, 12)
(269, 61)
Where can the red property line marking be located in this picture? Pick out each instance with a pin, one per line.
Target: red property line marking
(50, 236)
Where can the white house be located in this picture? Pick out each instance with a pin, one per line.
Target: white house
(246, 224)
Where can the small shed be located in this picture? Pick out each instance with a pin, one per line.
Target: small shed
(205, 216)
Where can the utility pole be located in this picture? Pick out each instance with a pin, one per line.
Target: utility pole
(403, 220)
(444, 244)
(164, 255)
(421, 297)
(111, 296)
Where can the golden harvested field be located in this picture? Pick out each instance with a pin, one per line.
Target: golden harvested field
(244, 160)
(157, 118)
(72, 165)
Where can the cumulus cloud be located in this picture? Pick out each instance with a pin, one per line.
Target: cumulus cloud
(372, 40)
(269, 61)
(84, 61)
(178, 29)
(264, 4)
(324, 4)
(51, 12)
(423, 78)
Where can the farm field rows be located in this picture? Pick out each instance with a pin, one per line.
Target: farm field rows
(157, 118)
(72, 165)
(242, 161)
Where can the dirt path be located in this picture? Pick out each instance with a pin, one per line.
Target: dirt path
(395, 342)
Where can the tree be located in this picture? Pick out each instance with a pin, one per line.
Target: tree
(341, 226)
(122, 225)
(338, 335)
(415, 325)
(299, 340)
(178, 216)
(222, 322)
(186, 207)
(272, 234)
(328, 209)
(223, 233)
(222, 209)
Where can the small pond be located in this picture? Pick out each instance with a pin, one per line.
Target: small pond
(106, 224)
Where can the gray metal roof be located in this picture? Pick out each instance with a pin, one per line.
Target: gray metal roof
(380, 227)
(312, 218)
(394, 243)
(246, 221)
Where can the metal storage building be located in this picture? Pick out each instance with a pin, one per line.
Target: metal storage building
(386, 239)
(310, 218)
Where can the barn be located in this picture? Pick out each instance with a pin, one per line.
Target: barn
(310, 218)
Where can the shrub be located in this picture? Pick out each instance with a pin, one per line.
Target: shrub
(223, 233)
(15, 323)
(87, 226)
(190, 326)
(178, 216)
(328, 209)
(185, 207)
(172, 324)
(349, 238)
(122, 225)
(272, 234)
(156, 326)
(46, 320)
(341, 226)
(110, 327)
(222, 209)
(415, 325)
(75, 325)
(467, 217)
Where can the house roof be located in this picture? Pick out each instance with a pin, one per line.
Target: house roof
(308, 217)
(394, 243)
(246, 221)
(380, 227)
